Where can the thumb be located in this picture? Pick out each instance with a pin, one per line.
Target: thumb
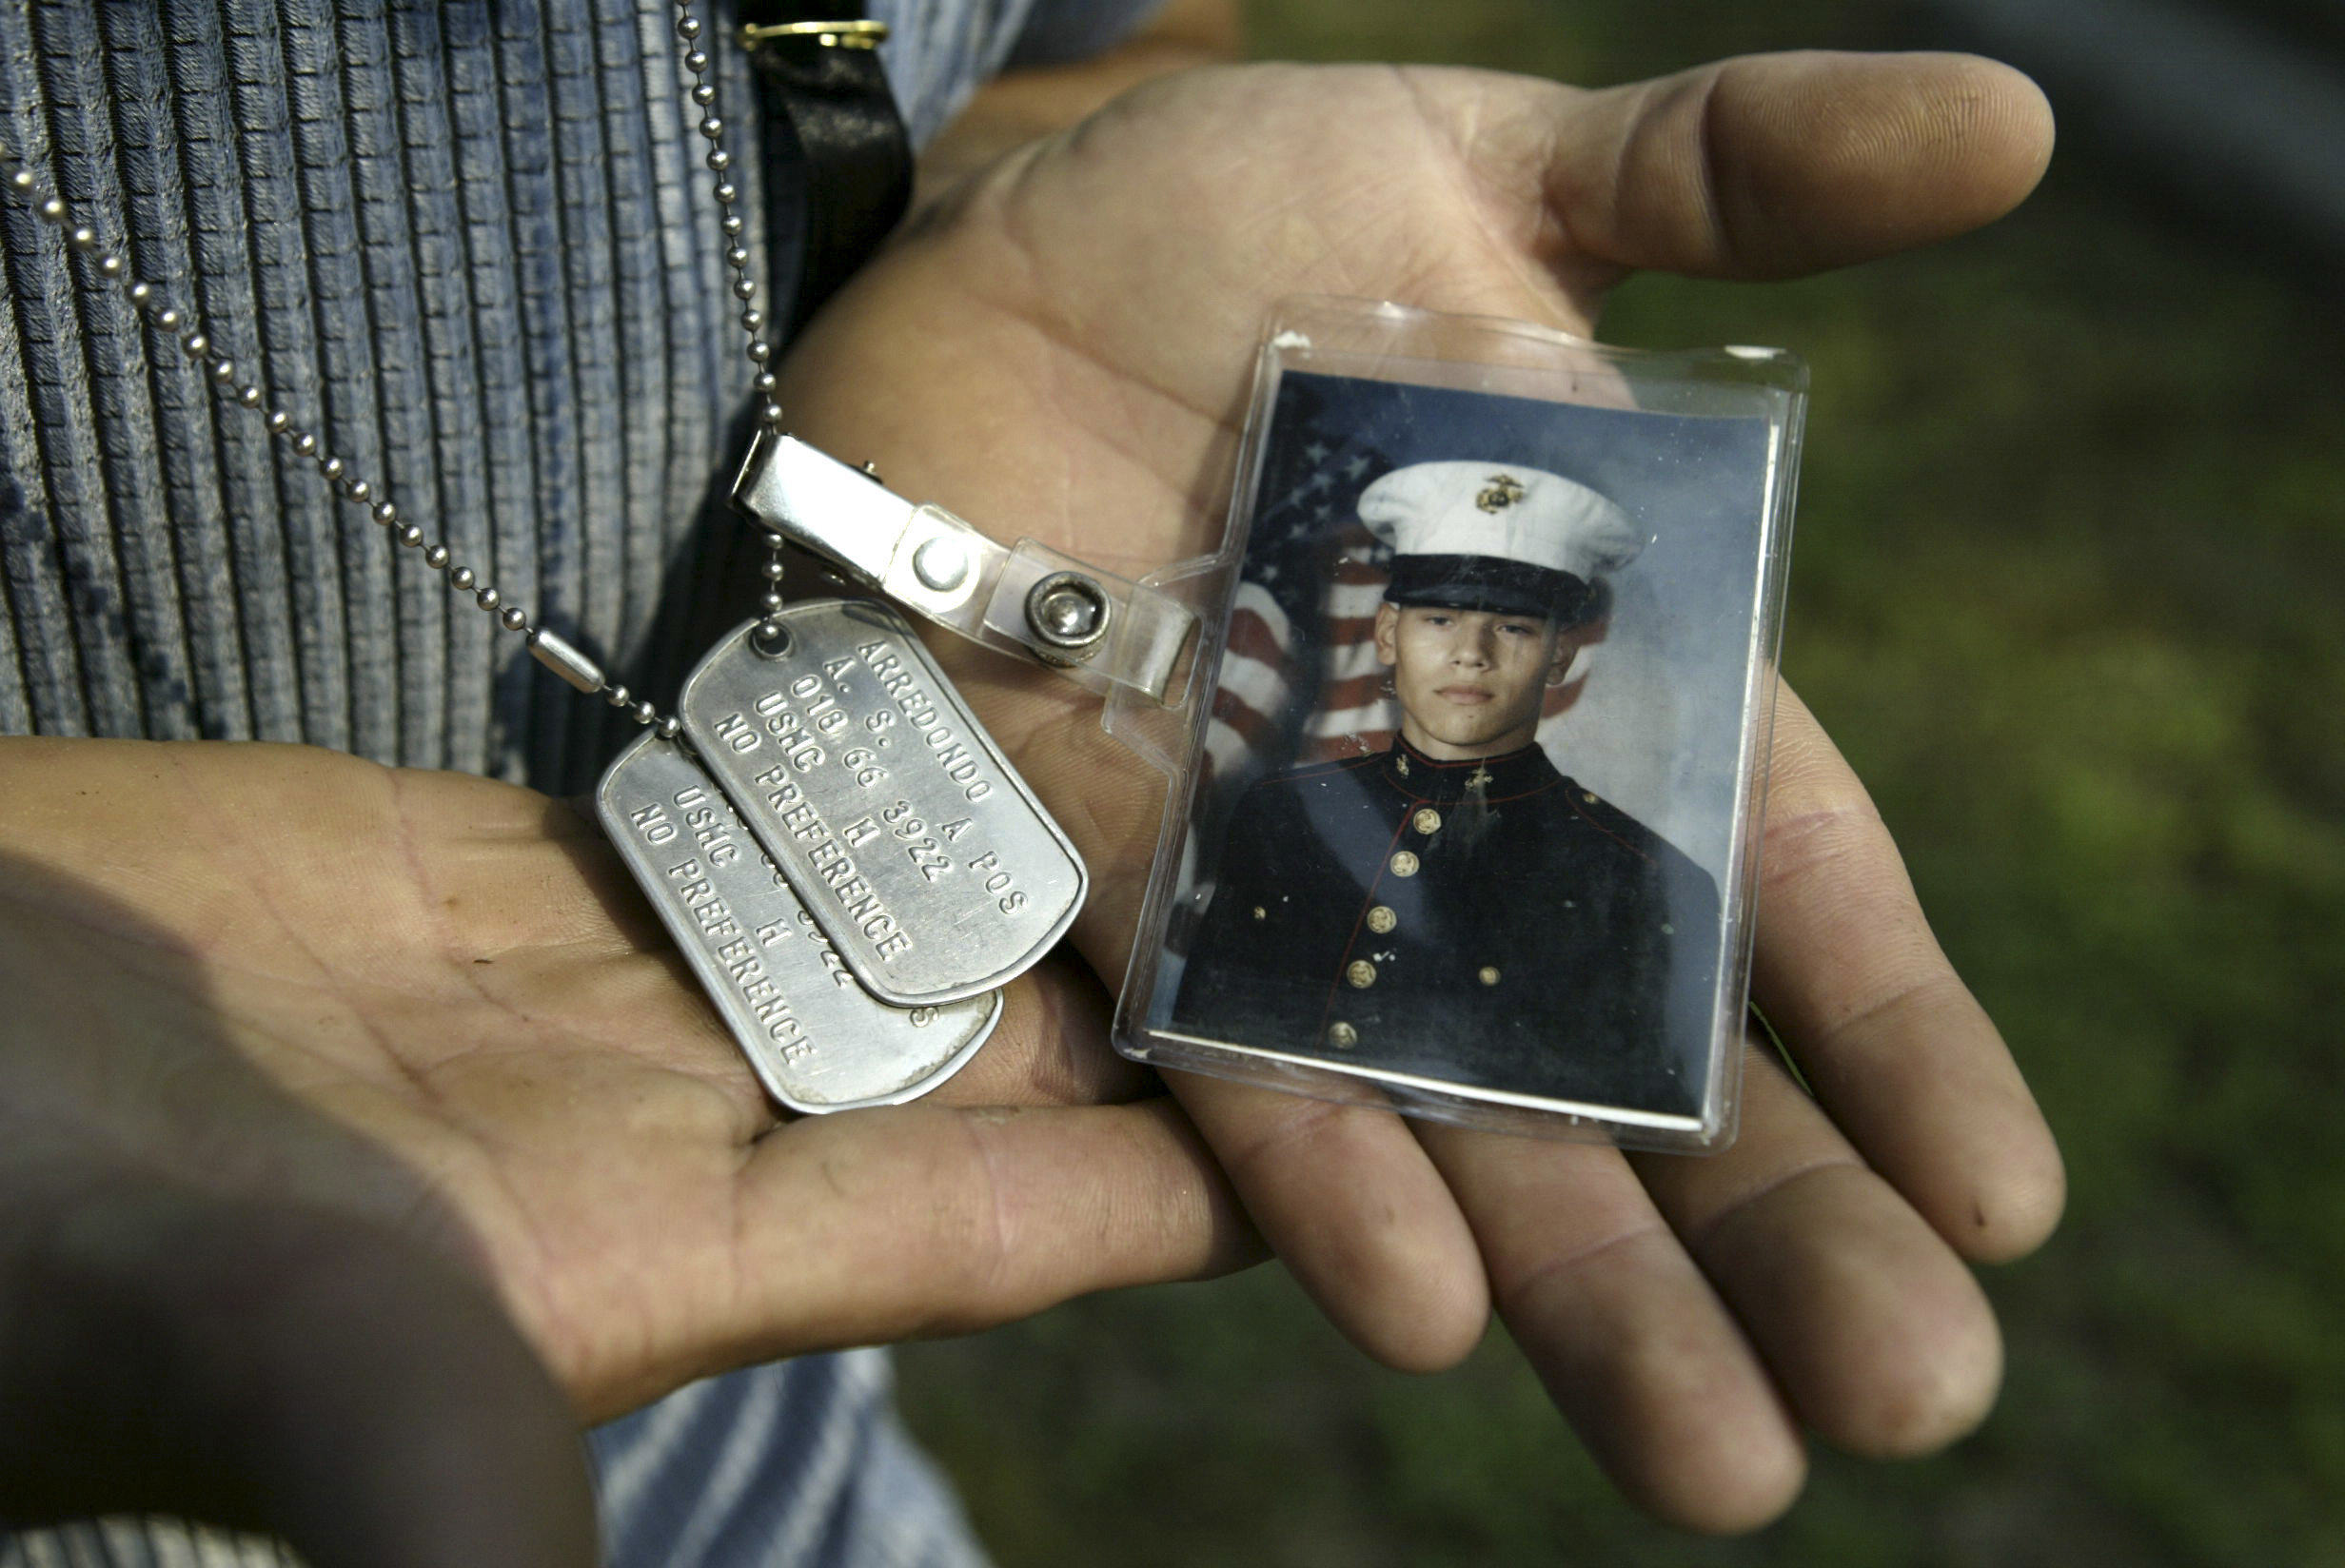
(267, 1366)
(1773, 165)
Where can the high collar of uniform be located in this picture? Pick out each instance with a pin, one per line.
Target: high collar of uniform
(1518, 773)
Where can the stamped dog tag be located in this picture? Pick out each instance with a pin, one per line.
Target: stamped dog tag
(927, 861)
(818, 1040)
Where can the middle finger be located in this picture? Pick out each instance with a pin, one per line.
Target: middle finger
(1636, 1348)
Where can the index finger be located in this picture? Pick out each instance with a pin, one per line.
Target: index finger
(1892, 1042)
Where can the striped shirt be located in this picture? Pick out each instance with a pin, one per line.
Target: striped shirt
(468, 244)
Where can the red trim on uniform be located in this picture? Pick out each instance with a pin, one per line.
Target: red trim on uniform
(1418, 759)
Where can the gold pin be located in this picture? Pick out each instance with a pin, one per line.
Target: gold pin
(1500, 491)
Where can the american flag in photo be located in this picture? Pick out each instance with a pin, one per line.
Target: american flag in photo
(1300, 681)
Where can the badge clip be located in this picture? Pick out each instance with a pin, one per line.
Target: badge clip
(1099, 629)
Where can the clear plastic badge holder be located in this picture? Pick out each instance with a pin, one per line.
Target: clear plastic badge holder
(1467, 768)
(1464, 724)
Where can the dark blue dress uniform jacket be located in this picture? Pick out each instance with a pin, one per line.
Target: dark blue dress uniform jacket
(1488, 923)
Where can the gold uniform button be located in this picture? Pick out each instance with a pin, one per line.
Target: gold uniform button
(1426, 821)
(1381, 919)
(1261, 913)
(1403, 864)
(1489, 974)
(1343, 1036)
(1360, 973)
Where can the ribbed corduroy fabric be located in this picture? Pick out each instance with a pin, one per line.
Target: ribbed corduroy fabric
(466, 242)
(469, 242)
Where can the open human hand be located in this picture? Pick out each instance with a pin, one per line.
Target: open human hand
(1060, 348)
(309, 1067)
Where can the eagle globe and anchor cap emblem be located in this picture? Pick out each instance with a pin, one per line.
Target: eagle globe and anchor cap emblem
(1501, 491)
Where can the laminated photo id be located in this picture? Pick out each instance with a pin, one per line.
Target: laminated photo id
(1464, 817)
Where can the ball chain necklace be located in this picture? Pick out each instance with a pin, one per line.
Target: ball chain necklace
(846, 860)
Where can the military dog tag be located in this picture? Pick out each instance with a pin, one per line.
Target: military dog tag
(927, 861)
(818, 1040)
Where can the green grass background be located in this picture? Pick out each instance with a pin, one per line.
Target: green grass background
(2067, 590)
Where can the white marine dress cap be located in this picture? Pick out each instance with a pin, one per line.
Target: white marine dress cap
(1500, 537)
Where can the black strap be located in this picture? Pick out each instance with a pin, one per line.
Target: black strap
(838, 161)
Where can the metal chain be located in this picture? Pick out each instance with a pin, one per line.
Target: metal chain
(550, 650)
(703, 95)
(770, 635)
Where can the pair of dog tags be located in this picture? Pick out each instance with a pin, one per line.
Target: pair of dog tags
(846, 860)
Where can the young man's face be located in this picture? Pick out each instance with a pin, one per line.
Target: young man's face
(1470, 681)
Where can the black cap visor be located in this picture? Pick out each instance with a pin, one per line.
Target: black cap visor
(1488, 583)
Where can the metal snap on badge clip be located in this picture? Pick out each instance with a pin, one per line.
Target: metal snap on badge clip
(1069, 611)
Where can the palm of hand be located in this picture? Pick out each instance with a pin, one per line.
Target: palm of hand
(457, 972)
(1061, 349)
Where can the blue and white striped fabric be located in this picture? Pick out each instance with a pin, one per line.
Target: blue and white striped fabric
(769, 1490)
(468, 242)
